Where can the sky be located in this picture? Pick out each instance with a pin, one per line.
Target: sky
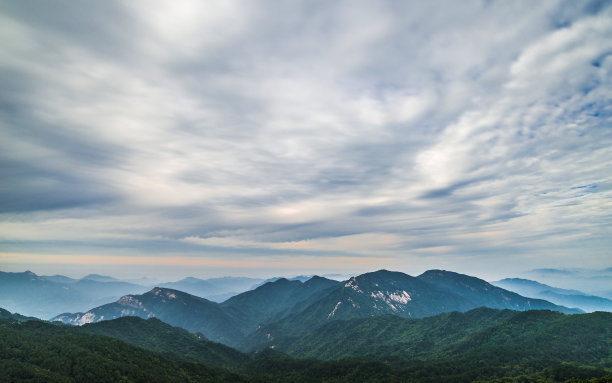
(261, 138)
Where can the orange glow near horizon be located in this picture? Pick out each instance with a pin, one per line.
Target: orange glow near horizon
(93, 260)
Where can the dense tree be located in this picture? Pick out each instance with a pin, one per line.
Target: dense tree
(483, 345)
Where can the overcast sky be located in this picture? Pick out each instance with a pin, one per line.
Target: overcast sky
(208, 138)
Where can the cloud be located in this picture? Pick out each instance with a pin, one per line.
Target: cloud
(368, 129)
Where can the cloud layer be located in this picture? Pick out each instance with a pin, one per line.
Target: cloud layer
(473, 136)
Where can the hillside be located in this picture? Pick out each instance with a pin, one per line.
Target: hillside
(45, 297)
(570, 298)
(284, 308)
(5, 314)
(582, 338)
(483, 345)
(385, 292)
(171, 342)
(171, 306)
(273, 299)
(39, 351)
(484, 294)
(213, 289)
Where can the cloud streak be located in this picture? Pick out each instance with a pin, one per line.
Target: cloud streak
(367, 129)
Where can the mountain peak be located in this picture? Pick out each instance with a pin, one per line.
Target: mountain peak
(191, 279)
(319, 281)
(99, 278)
(440, 272)
(520, 280)
(316, 277)
(165, 292)
(353, 284)
(436, 275)
(129, 300)
(482, 293)
(383, 274)
(30, 275)
(280, 282)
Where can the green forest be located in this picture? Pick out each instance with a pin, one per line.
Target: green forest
(482, 345)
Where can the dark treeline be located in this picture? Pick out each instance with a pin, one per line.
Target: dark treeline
(499, 346)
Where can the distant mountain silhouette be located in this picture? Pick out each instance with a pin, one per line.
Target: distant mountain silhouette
(570, 298)
(45, 297)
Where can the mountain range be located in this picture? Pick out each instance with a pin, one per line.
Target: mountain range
(484, 345)
(5, 314)
(214, 289)
(284, 308)
(227, 323)
(175, 307)
(455, 334)
(387, 292)
(378, 326)
(47, 296)
(44, 297)
(571, 298)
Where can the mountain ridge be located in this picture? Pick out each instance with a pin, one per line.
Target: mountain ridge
(572, 298)
(389, 292)
(171, 306)
(484, 345)
(284, 308)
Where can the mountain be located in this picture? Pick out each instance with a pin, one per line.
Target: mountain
(105, 291)
(484, 345)
(588, 303)
(481, 345)
(48, 296)
(59, 279)
(591, 281)
(99, 278)
(391, 335)
(5, 314)
(215, 289)
(529, 288)
(571, 298)
(303, 278)
(143, 281)
(285, 309)
(193, 286)
(377, 293)
(42, 352)
(227, 323)
(271, 299)
(174, 307)
(45, 297)
(482, 293)
(582, 338)
(386, 292)
(604, 293)
(155, 335)
(172, 342)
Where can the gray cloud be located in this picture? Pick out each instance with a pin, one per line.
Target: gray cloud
(436, 134)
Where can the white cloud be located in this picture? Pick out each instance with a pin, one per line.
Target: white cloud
(370, 128)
